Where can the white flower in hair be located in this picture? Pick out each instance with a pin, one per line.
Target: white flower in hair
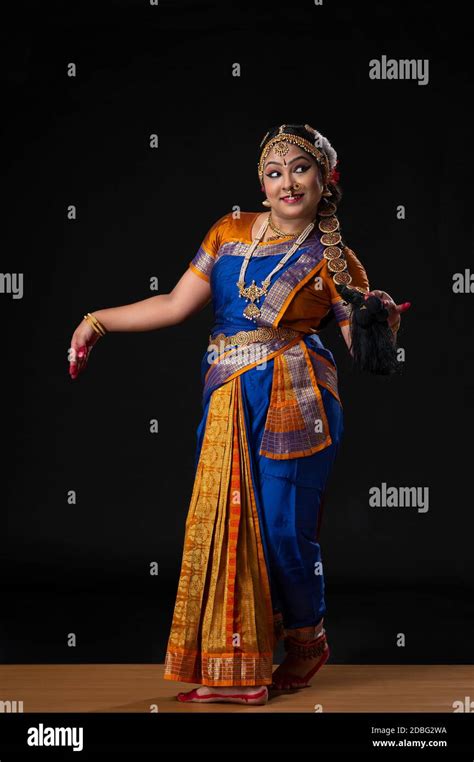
(323, 143)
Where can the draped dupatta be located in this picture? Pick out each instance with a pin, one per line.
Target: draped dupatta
(296, 423)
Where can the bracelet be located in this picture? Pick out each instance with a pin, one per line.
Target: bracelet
(98, 327)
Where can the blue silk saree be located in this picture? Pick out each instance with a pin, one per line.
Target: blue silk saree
(270, 429)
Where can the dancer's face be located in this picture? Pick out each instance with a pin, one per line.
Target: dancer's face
(296, 170)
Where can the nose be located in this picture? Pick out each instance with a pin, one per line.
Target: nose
(290, 185)
(288, 181)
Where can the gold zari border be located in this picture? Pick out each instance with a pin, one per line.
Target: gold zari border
(222, 631)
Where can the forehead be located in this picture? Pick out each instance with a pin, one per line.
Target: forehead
(293, 151)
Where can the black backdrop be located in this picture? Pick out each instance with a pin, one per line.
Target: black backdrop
(84, 568)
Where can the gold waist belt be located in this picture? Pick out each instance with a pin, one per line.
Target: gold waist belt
(265, 333)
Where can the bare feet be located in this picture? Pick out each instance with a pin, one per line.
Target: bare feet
(232, 694)
(295, 672)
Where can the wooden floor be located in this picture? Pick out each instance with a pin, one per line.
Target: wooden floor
(141, 688)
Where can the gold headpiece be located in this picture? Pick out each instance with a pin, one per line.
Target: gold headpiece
(280, 143)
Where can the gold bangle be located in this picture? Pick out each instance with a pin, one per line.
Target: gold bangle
(98, 327)
(94, 323)
(96, 330)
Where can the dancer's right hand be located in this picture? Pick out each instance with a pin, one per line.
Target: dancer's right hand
(82, 342)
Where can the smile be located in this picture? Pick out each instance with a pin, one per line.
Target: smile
(292, 199)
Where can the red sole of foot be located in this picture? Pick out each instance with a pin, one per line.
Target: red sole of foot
(261, 697)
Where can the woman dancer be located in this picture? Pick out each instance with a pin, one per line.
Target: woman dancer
(271, 425)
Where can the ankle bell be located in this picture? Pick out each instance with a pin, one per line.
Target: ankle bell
(306, 649)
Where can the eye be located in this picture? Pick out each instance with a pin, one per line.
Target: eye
(304, 167)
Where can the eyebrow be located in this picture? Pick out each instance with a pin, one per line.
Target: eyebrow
(279, 162)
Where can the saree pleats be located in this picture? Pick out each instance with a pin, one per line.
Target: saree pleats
(222, 631)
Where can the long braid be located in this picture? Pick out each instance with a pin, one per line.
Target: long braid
(373, 346)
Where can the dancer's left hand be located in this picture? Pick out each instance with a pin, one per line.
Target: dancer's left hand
(394, 310)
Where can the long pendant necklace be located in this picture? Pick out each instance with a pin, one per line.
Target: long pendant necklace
(254, 292)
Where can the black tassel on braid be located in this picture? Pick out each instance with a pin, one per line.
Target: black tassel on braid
(373, 344)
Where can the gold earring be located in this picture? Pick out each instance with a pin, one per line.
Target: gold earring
(326, 191)
(266, 202)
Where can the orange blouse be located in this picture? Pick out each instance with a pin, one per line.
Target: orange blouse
(310, 303)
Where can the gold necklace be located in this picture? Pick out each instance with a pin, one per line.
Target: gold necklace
(280, 233)
(254, 292)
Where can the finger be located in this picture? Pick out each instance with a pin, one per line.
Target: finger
(82, 353)
(376, 292)
(88, 352)
(85, 357)
(73, 362)
(403, 307)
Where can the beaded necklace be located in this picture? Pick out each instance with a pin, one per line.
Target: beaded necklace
(337, 265)
(254, 292)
